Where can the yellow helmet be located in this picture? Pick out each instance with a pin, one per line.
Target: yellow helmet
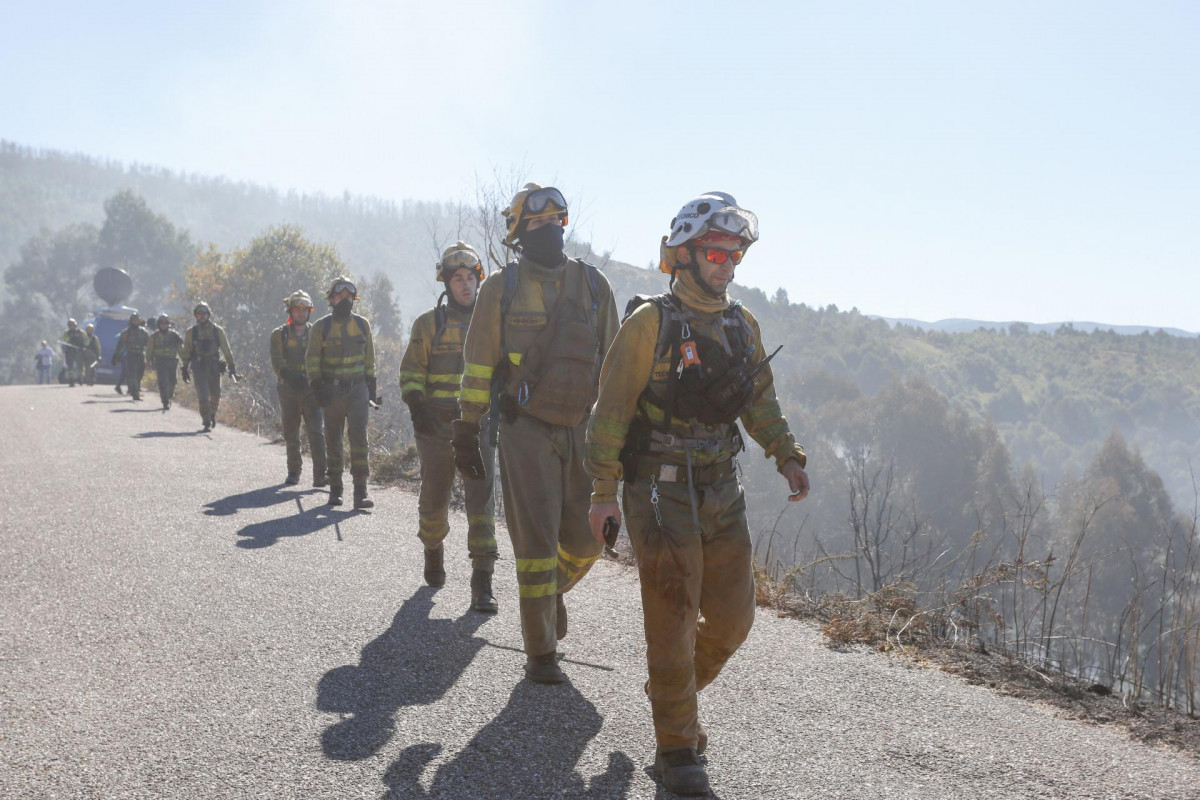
(341, 283)
(458, 256)
(532, 202)
(297, 299)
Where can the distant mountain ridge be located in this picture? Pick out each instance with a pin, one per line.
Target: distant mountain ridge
(956, 325)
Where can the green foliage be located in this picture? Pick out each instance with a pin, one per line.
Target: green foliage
(144, 244)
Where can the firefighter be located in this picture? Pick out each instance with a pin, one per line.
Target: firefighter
(203, 346)
(541, 327)
(430, 380)
(685, 367)
(131, 351)
(289, 344)
(163, 353)
(340, 362)
(91, 354)
(73, 343)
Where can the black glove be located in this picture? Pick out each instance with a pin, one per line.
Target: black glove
(187, 376)
(467, 456)
(423, 420)
(372, 387)
(294, 379)
(322, 392)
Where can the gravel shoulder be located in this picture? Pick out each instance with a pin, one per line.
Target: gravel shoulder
(179, 624)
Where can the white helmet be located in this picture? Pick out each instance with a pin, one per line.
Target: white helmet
(713, 211)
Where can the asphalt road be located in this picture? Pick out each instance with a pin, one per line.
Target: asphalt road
(178, 624)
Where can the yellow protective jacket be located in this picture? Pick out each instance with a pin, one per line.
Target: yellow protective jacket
(204, 341)
(93, 346)
(289, 348)
(433, 360)
(340, 350)
(631, 366)
(163, 345)
(134, 341)
(536, 290)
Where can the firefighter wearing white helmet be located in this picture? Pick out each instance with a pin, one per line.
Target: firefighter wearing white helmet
(203, 346)
(162, 353)
(540, 328)
(289, 344)
(340, 363)
(430, 381)
(685, 368)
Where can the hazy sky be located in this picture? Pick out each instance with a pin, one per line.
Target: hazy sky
(1033, 161)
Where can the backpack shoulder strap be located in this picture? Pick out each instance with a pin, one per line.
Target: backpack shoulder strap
(284, 336)
(593, 281)
(327, 326)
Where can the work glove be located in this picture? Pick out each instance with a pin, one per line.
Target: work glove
(322, 392)
(423, 420)
(372, 391)
(187, 376)
(467, 455)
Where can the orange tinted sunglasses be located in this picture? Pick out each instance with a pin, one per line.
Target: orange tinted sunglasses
(718, 256)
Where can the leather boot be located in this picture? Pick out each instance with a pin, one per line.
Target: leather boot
(360, 496)
(560, 616)
(544, 669)
(681, 772)
(435, 572)
(335, 494)
(482, 598)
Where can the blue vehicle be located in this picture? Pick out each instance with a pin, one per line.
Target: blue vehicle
(114, 286)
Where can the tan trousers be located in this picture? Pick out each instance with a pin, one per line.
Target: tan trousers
(293, 407)
(437, 485)
(206, 375)
(348, 409)
(547, 494)
(697, 593)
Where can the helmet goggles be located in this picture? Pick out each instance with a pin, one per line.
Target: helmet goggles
(344, 286)
(736, 222)
(460, 259)
(539, 200)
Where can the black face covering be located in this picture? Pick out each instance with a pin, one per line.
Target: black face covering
(341, 309)
(544, 245)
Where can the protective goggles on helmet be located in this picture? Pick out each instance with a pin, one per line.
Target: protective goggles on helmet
(460, 259)
(737, 222)
(344, 286)
(539, 200)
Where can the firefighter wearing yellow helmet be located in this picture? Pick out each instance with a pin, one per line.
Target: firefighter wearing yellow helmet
(203, 346)
(289, 346)
(91, 354)
(340, 362)
(430, 381)
(131, 352)
(541, 327)
(162, 353)
(73, 344)
(685, 367)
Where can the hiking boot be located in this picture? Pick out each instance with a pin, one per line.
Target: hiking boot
(72, 386)
(118, 388)
(292, 479)
(435, 572)
(335, 494)
(361, 500)
(544, 669)
(207, 427)
(560, 616)
(482, 598)
(681, 772)
(320, 480)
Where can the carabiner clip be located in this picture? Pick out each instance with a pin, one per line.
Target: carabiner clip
(523, 394)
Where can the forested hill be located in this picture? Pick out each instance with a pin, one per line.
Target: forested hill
(1054, 396)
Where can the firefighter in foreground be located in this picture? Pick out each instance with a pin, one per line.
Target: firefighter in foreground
(430, 379)
(131, 352)
(541, 328)
(203, 346)
(685, 367)
(73, 343)
(289, 345)
(163, 354)
(91, 354)
(341, 371)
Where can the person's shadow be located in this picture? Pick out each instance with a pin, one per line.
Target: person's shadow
(542, 732)
(412, 663)
(163, 434)
(255, 498)
(268, 532)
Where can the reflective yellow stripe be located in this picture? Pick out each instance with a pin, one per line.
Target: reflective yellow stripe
(586, 561)
(476, 396)
(444, 378)
(478, 371)
(536, 564)
(515, 358)
(481, 519)
(444, 393)
(538, 589)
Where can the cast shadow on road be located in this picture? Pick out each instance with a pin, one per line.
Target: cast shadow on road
(164, 434)
(542, 732)
(264, 534)
(157, 410)
(414, 662)
(255, 498)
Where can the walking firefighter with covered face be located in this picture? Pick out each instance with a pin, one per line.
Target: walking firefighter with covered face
(289, 347)
(430, 382)
(685, 367)
(540, 329)
(203, 346)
